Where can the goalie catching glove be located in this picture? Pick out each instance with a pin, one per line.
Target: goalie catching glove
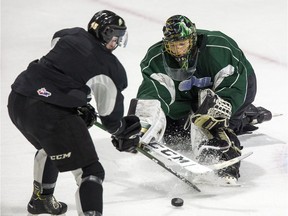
(127, 136)
(214, 112)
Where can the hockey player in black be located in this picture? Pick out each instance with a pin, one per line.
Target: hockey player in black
(49, 104)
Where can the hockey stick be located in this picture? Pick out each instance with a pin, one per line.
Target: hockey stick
(140, 148)
(169, 169)
(188, 164)
(277, 114)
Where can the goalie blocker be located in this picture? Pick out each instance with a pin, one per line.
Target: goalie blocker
(152, 119)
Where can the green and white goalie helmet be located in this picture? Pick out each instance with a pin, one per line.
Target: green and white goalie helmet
(179, 35)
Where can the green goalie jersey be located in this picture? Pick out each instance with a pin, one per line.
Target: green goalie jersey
(219, 65)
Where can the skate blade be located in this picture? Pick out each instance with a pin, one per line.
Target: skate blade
(45, 214)
(217, 183)
(215, 180)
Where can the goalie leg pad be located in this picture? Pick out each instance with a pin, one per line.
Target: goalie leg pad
(211, 151)
(223, 144)
(208, 122)
(233, 151)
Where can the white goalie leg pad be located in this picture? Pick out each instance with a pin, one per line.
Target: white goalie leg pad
(197, 137)
(200, 138)
(218, 111)
(151, 118)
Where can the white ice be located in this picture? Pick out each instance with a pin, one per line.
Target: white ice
(134, 185)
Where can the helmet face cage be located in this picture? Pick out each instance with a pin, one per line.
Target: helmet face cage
(105, 25)
(178, 48)
(178, 31)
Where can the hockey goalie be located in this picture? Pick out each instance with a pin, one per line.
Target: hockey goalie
(205, 133)
(197, 91)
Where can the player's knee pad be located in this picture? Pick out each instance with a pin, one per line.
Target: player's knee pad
(94, 169)
(90, 188)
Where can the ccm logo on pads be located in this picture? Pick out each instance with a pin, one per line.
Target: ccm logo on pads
(61, 156)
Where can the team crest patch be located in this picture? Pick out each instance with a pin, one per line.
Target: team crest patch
(43, 92)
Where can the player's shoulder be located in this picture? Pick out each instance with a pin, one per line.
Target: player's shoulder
(70, 31)
(154, 51)
(157, 47)
(212, 34)
(216, 37)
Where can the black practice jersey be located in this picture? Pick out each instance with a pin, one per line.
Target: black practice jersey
(76, 66)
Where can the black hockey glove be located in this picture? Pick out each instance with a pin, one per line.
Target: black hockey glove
(88, 114)
(127, 138)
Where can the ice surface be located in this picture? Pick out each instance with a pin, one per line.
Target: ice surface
(134, 185)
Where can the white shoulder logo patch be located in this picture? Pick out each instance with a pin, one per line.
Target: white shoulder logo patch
(43, 92)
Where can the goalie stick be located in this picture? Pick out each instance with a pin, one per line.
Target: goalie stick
(181, 160)
(188, 164)
(169, 169)
(140, 148)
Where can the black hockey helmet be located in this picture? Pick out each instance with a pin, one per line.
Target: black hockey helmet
(179, 28)
(105, 25)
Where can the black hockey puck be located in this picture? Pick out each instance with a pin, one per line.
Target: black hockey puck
(177, 202)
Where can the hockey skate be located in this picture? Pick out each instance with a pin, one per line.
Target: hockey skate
(91, 213)
(252, 117)
(44, 204)
(229, 176)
